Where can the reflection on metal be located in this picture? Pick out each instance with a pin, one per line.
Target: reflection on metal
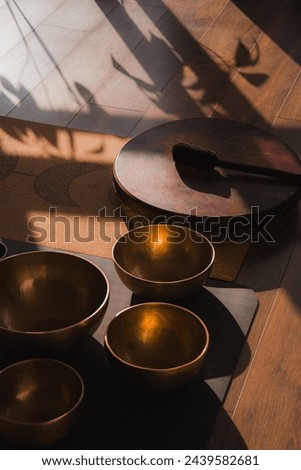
(163, 262)
(157, 346)
(49, 300)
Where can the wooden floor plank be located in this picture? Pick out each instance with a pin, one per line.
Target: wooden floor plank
(207, 47)
(263, 270)
(197, 18)
(291, 108)
(263, 14)
(231, 37)
(275, 376)
(267, 81)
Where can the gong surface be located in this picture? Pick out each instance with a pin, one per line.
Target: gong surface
(147, 178)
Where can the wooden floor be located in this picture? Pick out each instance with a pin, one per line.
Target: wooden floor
(123, 67)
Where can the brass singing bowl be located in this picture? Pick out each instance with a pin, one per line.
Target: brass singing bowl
(163, 262)
(50, 300)
(40, 402)
(156, 346)
(3, 250)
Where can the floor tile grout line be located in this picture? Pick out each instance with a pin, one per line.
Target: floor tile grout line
(157, 96)
(33, 32)
(77, 113)
(232, 79)
(130, 52)
(180, 65)
(88, 31)
(143, 36)
(286, 98)
(88, 101)
(44, 19)
(57, 65)
(294, 245)
(165, 11)
(113, 107)
(289, 119)
(104, 106)
(23, 36)
(24, 40)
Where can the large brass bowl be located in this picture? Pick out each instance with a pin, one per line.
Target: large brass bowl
(40, 401)
(163, 262)
(157, 346)
(49, 300)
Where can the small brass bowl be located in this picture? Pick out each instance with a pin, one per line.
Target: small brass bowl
(157, 346)
(40, 401)
(163, 262)
(49, 300)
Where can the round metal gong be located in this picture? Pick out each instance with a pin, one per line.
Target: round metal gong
(150, 183)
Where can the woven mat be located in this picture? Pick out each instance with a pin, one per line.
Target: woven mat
(56, 191)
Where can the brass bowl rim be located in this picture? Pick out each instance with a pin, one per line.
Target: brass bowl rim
(58, 418)
(4, 248)
(155, 369)
(165, 283)
(73, 325)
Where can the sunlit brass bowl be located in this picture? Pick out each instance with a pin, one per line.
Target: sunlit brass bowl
(50, 300)
(40, 402)
(163, 262)
(156, 346)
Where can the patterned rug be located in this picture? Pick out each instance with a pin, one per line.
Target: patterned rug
(56, 191)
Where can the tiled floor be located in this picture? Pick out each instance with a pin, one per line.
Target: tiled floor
(57, 61)
(122, 66)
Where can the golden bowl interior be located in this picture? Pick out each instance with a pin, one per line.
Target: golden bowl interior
(46, 291)
(157, 336)
(39, 391)
(163, 253)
